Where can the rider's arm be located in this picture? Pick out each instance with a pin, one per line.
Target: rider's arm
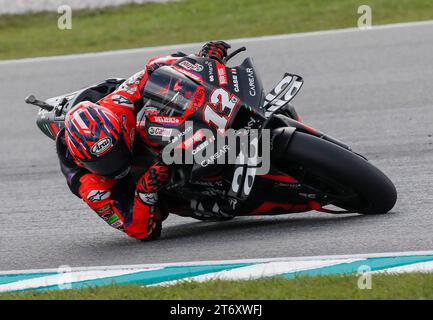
(124, 205)
(129, 94)
(147, 216)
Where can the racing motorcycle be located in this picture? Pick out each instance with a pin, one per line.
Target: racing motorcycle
(309, 170)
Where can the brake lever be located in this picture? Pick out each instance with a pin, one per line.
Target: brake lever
(231, 55)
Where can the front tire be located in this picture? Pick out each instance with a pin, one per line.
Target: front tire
(376, 194)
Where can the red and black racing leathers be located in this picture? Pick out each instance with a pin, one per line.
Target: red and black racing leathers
(132, 208)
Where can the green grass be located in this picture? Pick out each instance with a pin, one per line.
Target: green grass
(153, 24)
(405, 286)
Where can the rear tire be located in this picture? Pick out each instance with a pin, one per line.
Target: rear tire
(375, 190)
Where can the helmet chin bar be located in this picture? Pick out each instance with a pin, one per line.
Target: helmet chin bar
(118, 174)
(123, 173)
(115, 164)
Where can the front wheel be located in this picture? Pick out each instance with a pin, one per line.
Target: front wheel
(355, 183)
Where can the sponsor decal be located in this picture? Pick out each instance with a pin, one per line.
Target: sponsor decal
(198, 136)
(233, 203)
(199, 97)
(130, 85)
(122, 101)
(151, 111)
(202, 146)
(190, 66)
(250, 173)
(285, 90)
(104, 208)
(101, 146)
(131, 90)
(196, 102)
(215, 156)
(136, 78)
(158, 131)
(98, 195)
(251, 82)
(107, 215)
(222, 74)
(148, 198)
(219, 116)
(166, 120)
(113, 219)
(245, 130)
(189, 74)
(181, 134)
(118, 224)
(211, 71)
(235, 80)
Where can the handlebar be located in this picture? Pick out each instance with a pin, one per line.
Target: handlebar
(41, 104)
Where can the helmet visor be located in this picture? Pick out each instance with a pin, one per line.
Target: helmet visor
(114, 164)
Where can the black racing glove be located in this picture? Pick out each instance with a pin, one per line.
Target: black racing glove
(215, 50)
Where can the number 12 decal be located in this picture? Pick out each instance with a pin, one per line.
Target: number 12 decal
(220, 109)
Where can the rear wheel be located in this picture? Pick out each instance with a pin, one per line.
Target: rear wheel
(349, 181)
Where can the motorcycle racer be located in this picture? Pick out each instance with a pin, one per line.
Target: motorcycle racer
(95, 150)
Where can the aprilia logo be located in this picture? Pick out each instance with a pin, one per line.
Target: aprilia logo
(189, 66)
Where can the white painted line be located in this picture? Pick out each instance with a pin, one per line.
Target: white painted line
(415, 267)
(67, 277)
(218, 262)
(262, 270)
(176, 47)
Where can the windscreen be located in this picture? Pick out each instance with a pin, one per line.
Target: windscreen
(170, 90)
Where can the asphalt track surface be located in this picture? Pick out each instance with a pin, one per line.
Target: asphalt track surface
(372, 89)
